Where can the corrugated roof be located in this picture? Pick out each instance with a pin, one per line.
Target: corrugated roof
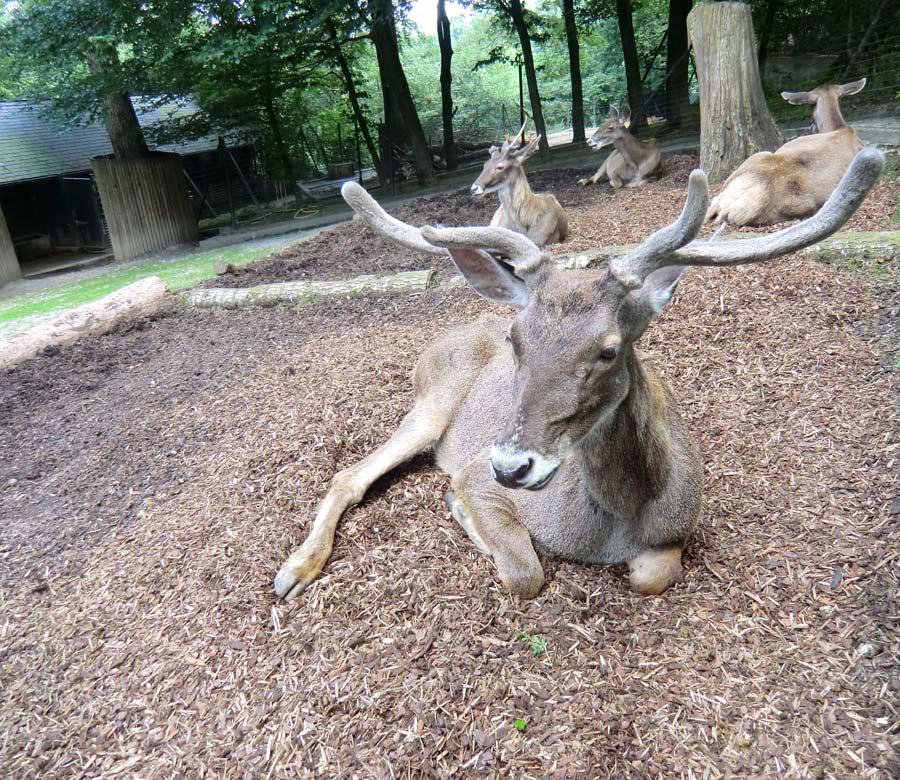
(32, 146)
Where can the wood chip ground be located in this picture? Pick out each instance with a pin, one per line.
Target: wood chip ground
(153, 480)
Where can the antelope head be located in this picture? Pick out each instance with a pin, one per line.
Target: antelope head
(504, 163)
(611, 129)
(825, 101)
(573, 334)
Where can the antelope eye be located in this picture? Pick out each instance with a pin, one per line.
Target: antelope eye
(610, 353)
(501, 167)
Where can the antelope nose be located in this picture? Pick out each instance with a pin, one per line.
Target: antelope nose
(512, 472)
(476, 189)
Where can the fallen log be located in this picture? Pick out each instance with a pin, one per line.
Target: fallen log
(306, 292)
(139, 299)
(840, 249)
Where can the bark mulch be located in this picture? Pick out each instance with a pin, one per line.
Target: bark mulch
(598, 215)
(152, 480)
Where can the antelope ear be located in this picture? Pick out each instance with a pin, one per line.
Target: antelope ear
(626, 116)
(659, 287)
(799, 98)
(852, 88)
(613, 112)
(490, 278)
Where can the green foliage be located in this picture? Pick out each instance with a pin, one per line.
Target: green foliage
(520, 724)
(536, 643)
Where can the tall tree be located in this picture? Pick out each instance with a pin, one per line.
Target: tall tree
(513, 11)
(68, 51)
(568, 7)
(400, 115)
(678, 99)
(353, 96)
(446, 46)
(765, 33)
(632, 64)
(734, 119)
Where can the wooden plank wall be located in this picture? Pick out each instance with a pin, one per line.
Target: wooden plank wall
(9, 263)
(145, 203)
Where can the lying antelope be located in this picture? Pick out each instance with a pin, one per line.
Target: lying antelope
(631, 162)
(592, 460)
(794, 181)
(540, 217)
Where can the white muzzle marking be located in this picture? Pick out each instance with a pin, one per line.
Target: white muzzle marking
(508, 458)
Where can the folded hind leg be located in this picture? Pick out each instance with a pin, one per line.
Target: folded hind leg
(656, 569)
(488, 516)
(418, 431)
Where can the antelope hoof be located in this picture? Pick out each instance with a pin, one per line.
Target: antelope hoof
(656, 570)
(522, 583)
(584, 182)
(298, 571)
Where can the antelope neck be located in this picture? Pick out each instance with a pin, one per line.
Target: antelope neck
(827, 115)
(628, 146)
(515, 194)
(626, 457)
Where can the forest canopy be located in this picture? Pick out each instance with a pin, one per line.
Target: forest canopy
(313, 83)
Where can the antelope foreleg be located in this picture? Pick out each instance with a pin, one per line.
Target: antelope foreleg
(418, 431)
(489, 519)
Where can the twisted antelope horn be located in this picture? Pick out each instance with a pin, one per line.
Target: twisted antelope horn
(665, 247)
(633, 267)
(383, 223)
(524, 255)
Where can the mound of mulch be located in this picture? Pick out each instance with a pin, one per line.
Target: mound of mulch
(598, 216)
(152, 481)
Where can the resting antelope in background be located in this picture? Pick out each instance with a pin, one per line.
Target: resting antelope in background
(540, 217)
(795, 180)
(551, 427)
(631, 162)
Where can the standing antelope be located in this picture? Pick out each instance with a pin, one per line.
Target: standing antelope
(631, 162)
(593, 435)
(795, 180)
(540, 217)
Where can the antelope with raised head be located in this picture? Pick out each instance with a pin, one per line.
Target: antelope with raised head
(796, 179)
(540, 217)
(632, 161)
(551, 427)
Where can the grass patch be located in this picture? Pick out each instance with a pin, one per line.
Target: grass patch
(23, 311)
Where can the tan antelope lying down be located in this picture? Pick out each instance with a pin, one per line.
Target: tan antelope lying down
(551, 427)
(795, 180)
(632, 161)
(540, 217)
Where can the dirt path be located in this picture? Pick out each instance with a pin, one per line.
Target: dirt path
(153, 480)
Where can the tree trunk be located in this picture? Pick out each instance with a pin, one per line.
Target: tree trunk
(282, 153)
(443, 34)
(765, 34)
(125, 133)
(354, 100)
(400, 113)
(574, 71)
(632, 64)
(534, 97)
(678, 98)
(734, 119)
(9, 262)
(119, 118)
